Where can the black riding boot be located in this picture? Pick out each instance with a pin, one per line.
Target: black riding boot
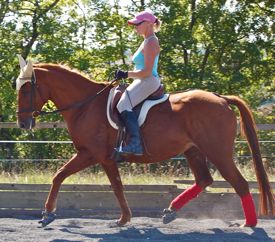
(134, 146)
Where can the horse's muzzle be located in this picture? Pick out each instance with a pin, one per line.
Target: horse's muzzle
(28, 123)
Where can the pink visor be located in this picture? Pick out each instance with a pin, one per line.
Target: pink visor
(143, 16)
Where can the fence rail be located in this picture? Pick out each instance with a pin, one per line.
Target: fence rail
(40, 125)
(222, 184)
(58, 124)
(99, 200)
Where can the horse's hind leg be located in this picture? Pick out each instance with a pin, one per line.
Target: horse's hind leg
(197, 163)
(230, 173)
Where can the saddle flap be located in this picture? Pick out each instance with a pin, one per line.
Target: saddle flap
(115, 95)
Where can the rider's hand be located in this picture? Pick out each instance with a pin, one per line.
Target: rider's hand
(119, 74)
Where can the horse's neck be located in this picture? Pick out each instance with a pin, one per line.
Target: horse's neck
(70, 89)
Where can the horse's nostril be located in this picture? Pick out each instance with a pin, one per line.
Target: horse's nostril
(21, 125)
(27, 123)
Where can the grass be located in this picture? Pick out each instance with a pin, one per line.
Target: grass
(131, 173)
(84, 178)
(127, 176)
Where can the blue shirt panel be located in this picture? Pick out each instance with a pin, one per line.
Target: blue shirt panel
(138, 60)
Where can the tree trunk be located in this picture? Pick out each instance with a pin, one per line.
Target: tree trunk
(4, 6)
(193, 17)
(37, 15)
(186, 56)
(204, 62)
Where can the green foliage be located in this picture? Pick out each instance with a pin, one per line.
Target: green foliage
(221, 46)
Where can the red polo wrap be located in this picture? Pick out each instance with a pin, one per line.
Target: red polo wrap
(249, 210)
(186, 196)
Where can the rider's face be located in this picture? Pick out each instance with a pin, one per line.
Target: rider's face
(141, 27)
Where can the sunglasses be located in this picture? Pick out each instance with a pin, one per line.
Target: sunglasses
(139, 23)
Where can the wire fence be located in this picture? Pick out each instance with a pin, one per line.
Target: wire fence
(180, 157)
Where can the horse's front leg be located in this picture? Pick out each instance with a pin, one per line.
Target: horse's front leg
(112, 172)
(77, 163)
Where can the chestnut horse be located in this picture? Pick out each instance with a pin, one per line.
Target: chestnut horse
(194, 120)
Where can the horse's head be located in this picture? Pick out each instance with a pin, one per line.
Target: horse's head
(29, 100)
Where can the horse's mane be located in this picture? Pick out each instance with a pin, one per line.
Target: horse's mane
(66, 68)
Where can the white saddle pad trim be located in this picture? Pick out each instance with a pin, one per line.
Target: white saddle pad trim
(143, 112)
(110, 97)
(146, 107)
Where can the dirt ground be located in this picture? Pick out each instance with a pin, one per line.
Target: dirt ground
(140, 229)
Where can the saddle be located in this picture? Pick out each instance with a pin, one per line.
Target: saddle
(141, 109)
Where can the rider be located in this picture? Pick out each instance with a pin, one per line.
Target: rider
(145, 75)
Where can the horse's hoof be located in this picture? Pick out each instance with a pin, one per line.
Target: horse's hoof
(169, 215)
(247, 225)
(119, 224)
(47, 218)
(235, 225)
(241, 225)
(122, 222)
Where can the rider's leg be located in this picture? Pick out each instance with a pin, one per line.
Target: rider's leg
(135, 93)
(134, 145)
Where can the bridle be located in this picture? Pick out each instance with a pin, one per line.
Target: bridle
(35, 113)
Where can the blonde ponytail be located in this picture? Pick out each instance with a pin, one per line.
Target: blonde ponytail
(157, 25)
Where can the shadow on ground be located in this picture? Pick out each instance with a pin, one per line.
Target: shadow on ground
(154, 234)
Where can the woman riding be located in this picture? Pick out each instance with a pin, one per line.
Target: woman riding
(145, 75)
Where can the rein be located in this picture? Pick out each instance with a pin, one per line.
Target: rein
(36, 113)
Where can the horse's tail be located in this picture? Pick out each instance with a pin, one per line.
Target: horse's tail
(248, 128)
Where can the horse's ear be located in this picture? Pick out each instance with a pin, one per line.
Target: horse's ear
(29, 64)
(22, 62)
(29, 68)
(25, 75)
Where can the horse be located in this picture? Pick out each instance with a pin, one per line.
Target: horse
(199, 124)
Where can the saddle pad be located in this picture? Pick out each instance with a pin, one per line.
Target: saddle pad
(144, 109)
